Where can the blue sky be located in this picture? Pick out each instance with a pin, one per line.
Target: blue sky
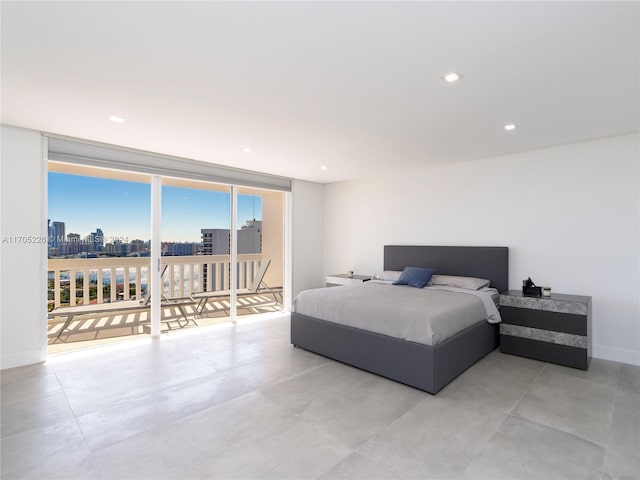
(122, 209)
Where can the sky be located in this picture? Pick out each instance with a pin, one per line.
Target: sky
(122, 209)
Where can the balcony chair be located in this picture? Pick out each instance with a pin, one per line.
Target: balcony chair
(126, 306)
(257, 287)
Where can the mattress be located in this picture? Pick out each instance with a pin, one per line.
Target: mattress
(427, 315)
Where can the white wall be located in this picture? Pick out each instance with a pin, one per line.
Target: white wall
(22, 284)
(23, 209)
(307, 236)
(570, 216)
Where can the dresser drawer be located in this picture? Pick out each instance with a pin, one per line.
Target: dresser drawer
(544, 320)
(546, 352)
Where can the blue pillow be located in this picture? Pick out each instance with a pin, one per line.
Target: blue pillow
(415, 277)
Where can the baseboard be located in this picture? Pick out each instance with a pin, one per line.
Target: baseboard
(616, 354)
(21, 359)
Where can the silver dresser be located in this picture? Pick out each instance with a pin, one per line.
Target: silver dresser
(554, 329)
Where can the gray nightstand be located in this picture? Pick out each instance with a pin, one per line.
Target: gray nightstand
(344, 279)
(554, 329)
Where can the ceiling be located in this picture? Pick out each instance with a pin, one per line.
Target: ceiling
(354, 86)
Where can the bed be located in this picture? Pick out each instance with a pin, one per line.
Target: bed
(426, 367)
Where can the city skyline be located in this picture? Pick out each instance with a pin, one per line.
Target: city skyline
(86, 203)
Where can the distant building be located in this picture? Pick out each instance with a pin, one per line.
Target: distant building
(215, 241)
(49, 237)
(135, 246)
(97, 240)
(250, 237)
(117, 249)
(57, 234)
(73, 245)
(179, 248)
(92, 245)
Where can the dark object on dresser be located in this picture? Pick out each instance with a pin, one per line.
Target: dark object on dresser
(530, 288)
(554, 329)
(421, 366)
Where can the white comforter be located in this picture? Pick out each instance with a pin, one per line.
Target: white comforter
(424, 315)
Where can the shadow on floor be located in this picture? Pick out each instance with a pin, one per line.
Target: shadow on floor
(103, 327)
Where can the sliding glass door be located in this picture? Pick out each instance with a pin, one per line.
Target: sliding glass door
(98, 253)
(260, 240)
(140, 254)
(196, 249)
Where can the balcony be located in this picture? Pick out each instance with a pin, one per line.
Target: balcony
(115, 283)
(95, 281)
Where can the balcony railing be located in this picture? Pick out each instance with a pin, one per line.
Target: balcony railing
(81, 281)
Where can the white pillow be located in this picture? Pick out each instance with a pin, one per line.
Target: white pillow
(470, 283)
(388, 275)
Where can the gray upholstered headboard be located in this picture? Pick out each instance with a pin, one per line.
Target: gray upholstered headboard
(483, 262)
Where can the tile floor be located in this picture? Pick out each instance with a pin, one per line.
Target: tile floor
(241, 402)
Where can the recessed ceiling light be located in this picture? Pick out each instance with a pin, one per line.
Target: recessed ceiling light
(324, 167)
(452, 77)
(511, 126)
(116, 119)
(247, 150)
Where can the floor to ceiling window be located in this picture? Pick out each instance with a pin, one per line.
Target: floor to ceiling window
(260, 231)
(101, 254)
(195, 247)
(98, 251)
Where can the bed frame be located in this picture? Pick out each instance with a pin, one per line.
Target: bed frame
(421, 366)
